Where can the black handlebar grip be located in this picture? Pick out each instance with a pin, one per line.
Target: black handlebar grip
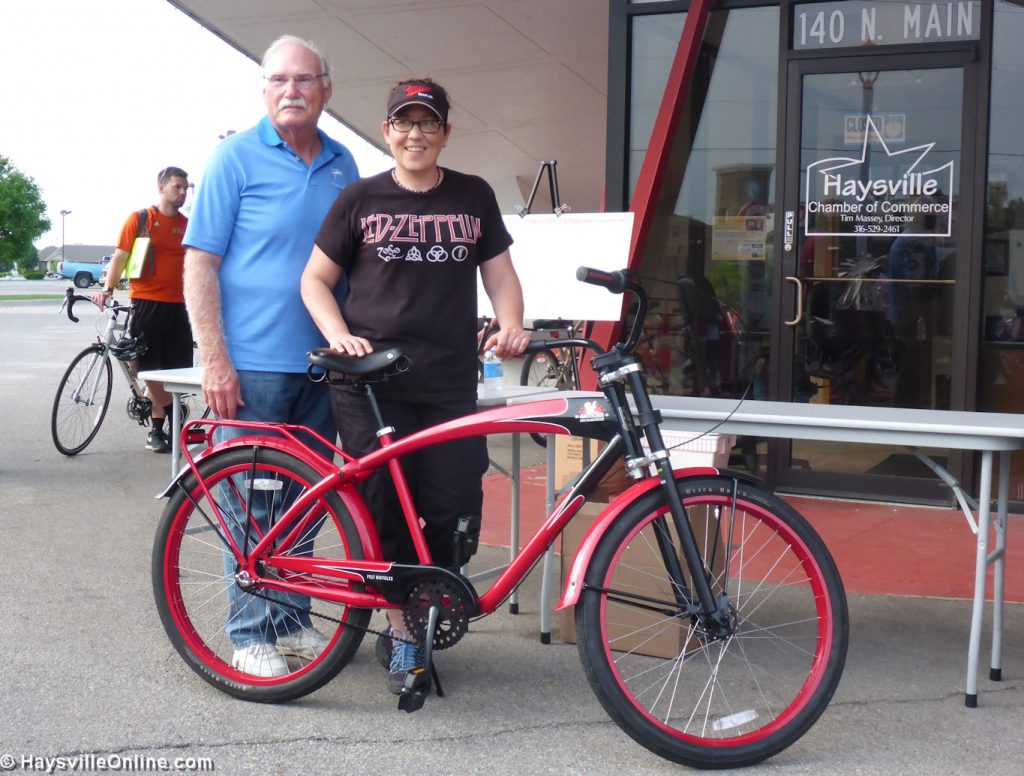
(538, 346)
(613, 281)
(69, 301)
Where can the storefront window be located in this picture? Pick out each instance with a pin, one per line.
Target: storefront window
(1001, 373)
(707, 257)
(655, 39)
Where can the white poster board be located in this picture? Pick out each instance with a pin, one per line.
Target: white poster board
(547, 251)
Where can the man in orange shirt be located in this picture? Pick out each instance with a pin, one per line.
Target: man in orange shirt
(159, 321)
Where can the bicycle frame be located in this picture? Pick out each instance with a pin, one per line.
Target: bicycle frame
(106, 338)
(560, 416)
(596, 417)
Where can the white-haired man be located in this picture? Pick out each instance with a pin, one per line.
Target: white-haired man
(256, 213)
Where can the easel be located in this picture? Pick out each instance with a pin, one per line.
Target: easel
(557, 207)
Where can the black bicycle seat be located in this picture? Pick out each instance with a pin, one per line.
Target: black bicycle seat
(378, 364)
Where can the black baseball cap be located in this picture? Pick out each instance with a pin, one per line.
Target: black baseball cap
(429, 95)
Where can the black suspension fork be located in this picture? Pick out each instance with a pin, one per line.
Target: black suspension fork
(615, 392)
(648, 420)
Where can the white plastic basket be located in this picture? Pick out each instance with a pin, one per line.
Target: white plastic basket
(707, 450)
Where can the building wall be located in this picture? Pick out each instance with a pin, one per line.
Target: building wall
(767, 100)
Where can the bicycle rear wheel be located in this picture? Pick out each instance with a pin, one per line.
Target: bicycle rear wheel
(549, 369)
(193, 407)
(699, 698)
(83, 396)
(199, 598)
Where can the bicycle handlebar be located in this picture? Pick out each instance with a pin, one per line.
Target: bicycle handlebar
(70, 297)
(537, 346)
(617, 282)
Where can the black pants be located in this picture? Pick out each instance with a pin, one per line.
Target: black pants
(445, 480)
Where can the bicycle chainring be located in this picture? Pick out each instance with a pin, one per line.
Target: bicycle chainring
(140, 408)
(452, 622)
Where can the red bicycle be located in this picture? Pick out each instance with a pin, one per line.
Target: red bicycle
(733, 579)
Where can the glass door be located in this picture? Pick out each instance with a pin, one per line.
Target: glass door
(873, 256)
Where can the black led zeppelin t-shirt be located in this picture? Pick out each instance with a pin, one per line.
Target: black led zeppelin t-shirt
(411, 260)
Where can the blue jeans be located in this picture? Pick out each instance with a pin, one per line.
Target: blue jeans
(280, 398)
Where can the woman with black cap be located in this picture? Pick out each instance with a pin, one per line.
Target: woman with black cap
(410, 242)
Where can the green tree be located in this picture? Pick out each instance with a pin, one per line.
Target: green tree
(22, 215)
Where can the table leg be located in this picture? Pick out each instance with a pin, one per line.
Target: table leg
(175, 432)
(515, 481)
(980, 568)
(549, 555)
(996, 668)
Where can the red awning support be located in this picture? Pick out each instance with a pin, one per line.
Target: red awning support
(652, 171)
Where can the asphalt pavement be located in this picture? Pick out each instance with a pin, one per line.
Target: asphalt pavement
(86, 670)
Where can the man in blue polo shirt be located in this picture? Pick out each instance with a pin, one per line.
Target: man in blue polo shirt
(259, 206)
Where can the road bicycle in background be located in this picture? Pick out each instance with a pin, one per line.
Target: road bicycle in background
(557, 364)
(710, 618)
(83, 394)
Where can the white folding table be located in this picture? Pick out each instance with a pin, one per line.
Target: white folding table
(176, 382)
(983, 432)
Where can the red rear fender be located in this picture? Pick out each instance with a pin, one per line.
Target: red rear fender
(348, 494)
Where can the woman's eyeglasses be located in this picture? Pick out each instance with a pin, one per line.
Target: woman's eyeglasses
(427, 126)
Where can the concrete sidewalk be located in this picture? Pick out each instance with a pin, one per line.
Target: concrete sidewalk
(87, 669)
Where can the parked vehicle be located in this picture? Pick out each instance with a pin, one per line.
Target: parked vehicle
(84, 273)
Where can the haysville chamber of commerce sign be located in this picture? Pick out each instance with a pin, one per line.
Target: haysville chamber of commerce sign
(843, 198)
(880, 23)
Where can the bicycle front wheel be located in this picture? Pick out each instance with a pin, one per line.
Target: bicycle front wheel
(244, 639)
(699, 697)
(83, 396)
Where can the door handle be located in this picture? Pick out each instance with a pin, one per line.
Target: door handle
(799, 301)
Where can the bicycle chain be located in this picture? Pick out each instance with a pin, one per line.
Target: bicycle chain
(328, 618)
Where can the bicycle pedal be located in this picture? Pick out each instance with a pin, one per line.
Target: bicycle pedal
(414, 693)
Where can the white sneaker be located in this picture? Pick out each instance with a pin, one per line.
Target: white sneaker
(307, 643)
(260, 660)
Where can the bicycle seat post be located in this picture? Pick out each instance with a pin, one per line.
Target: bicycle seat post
(383, 430)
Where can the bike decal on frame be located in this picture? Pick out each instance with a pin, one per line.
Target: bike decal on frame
(592, 412)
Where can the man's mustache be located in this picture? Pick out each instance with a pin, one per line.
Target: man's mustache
(287, 102)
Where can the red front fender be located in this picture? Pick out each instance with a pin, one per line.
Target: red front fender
(578, 571)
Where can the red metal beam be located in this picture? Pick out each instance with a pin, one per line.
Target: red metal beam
(652, 171)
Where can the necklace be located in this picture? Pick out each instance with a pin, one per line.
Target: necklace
(394, 177)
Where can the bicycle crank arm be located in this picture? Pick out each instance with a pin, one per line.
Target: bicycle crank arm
(417, 681)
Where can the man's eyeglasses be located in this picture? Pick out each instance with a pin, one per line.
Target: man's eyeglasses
(427, 126)
(302, 81)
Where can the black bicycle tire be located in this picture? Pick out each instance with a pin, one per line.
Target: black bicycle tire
(55, 415)
(329, 663)
(609, 677)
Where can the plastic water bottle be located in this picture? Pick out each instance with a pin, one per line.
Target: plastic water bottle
(493, 373)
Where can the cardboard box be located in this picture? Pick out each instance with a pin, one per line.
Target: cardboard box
(634, 630)
(569, 457)
(569, 463)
